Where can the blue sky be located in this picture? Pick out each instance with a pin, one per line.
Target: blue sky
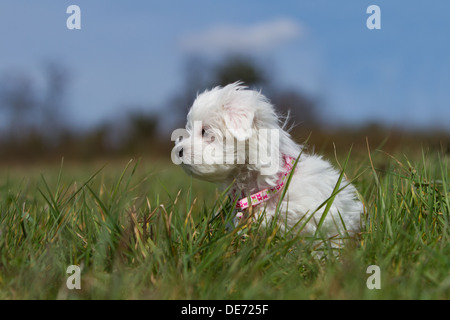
(132, 52)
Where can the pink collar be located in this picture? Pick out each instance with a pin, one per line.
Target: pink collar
(266, 194)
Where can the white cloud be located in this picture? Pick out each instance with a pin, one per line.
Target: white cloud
(262, 36)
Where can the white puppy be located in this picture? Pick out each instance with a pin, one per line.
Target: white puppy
(233, 135)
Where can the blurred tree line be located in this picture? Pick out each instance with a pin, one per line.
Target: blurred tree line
(34, 125)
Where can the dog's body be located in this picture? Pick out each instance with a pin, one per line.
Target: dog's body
(247, 119)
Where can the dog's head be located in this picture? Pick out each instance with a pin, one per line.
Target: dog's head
(228, 129)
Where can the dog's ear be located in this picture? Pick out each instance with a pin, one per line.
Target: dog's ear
(239, 121)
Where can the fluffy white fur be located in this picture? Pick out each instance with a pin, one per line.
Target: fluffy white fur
(237, 112)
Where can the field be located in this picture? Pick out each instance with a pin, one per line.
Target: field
(142, 229)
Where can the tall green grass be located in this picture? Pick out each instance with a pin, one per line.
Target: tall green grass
(147, 231)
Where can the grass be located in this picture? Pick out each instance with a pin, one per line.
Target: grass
(146, 231)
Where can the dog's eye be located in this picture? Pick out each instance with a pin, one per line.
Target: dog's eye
(203, 132)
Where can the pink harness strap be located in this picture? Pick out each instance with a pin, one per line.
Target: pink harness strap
(265, 194)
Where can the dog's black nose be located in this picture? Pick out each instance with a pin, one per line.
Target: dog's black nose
(180, 153)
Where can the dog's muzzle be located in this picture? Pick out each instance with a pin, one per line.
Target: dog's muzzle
(180, 152)
(179, 148)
